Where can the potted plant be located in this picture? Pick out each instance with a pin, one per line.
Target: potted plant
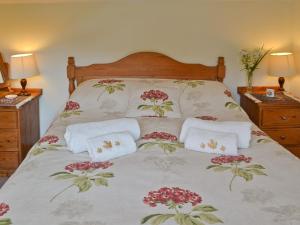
(250, 59)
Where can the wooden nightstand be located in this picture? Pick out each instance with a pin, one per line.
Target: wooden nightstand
(19, 130)
(279, 117)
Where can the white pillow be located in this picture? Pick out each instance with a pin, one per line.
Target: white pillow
(154, 102)
(110, 146)
(241, 128)
(215, 142)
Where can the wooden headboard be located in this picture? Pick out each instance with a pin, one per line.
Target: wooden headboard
(4, 73)
(144, 65)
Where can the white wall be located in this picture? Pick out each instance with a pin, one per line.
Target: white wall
(189, 30)
(295, 80)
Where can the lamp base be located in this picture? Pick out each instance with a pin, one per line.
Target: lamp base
(281, 81)
(23, 92)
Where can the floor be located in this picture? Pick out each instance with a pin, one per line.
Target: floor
(2, 180)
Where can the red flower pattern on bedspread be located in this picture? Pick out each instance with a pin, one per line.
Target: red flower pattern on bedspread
(259, 133)
(46, 143)
(154, 95)
(50, 139)
(176, 198)
(4, 208)
(84, 175)
(83, 166)
(109, 81)
(234, 165)
(70, 105)
(175, 195)
(160, 135)
(71, 108)
(230, 159)
(228, 93)
(212, 118)
(166, 141)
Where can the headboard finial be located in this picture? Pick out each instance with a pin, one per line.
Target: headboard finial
(221, 69)
(71, 74)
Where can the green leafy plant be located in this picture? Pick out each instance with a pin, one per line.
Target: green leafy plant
(250, 59)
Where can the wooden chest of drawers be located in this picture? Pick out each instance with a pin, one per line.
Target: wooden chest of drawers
(280, 119)
(19, 130)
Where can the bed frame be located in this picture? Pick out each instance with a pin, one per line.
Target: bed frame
(144, 65)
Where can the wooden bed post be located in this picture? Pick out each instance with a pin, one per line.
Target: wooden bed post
(71, 74)
(221, 69)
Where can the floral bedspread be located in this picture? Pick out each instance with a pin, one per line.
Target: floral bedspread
(162, 183)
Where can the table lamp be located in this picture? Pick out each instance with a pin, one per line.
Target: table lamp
(281, 64)
(22, 67)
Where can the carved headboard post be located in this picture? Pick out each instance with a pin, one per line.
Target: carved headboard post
(221, 69)
(71, 74)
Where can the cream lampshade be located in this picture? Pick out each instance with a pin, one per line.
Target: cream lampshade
(281, 64)
(22, 67)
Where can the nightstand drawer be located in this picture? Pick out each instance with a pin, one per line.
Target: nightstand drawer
(8, 140)
(8, 120)
(288, 136)
(286, 117)
(9, 160)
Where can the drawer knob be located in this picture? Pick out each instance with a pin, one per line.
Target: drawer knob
(283, 117)
(282, 137)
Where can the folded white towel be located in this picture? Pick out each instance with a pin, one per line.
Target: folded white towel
(77, 134)
(211, 141)
(242, 129)
(110, 146)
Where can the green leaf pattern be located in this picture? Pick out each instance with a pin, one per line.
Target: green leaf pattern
(83, 179)
(232, 106)
(158, 109)
(199, 215)
(190, 83)
(167, 147)
(5, 221)
(234, 165)
(66, 114)
(110, 86)
(39, 149)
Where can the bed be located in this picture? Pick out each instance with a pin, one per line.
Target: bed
(162, 183)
